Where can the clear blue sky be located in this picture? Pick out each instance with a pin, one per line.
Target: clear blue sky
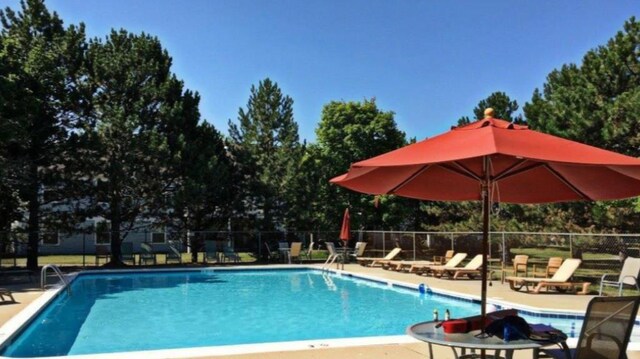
(428, 61)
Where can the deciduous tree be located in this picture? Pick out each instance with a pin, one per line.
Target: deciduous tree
(349, 132)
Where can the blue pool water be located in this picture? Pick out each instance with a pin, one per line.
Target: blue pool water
(164, 310)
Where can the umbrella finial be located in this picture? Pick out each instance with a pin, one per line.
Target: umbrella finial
(488, 113)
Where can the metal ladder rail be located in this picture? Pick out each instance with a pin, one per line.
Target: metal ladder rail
(58, 272)
(330, 260)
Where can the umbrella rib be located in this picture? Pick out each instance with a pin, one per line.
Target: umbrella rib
(409, 179)
(511, 172)
(461, 170)
(567, 183)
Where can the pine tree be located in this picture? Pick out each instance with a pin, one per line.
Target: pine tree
(267, 148)
(596, 102)
(125, 154)
(503, 107)
(43, 60)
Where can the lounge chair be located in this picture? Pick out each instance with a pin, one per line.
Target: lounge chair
(605, 330)
(229, 254)
(452, 263)
(519, 266)
(473, 268)
(403, 265)
(628, 275)
(295, 251)
(211, 251)
(552, 267)
(560, 280)
(358, 250)
(372, 261)
(173, 254)
(147, 254)
(410, 266)
(126, 252)
(4, 292)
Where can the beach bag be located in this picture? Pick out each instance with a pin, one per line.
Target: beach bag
(509, 328)
(543, 333)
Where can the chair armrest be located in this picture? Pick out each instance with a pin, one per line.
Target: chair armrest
(604, 276)
(635, 279)
(517, 266)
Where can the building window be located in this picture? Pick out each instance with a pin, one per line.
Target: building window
(50, 238)
(158, 237)
(103, 232)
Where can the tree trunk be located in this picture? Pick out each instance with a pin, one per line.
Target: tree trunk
(116, 243)
(33, 226)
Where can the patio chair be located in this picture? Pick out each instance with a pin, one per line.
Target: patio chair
(372, 261)
(628, 275)
(444, 259)
(334, 255)
(211, 252)
(308, 254)
(552, 267)
(173, 254)
(147, 254)
(295, 251)
(560, 280)
(271, 255)
(605, 330)
(126, 252)
(229, 254)
(473, 268)
(102, 252)
(283, 250)
(519, 266)
(4, 292)
(452, 263)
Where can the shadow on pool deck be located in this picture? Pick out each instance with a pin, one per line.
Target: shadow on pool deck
(26, 292)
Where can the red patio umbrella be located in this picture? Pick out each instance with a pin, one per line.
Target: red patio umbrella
(345, 232)
(495, 160)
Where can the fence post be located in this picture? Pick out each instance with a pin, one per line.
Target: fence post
(259, 246)
(452, 242)
(570, 245)
(414, 246)
(84, 245)
(15, 252)
(504, 249)
(384, 245)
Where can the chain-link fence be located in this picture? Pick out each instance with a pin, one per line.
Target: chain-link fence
(601, 253)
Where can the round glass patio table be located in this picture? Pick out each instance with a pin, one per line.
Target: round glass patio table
(427, 332)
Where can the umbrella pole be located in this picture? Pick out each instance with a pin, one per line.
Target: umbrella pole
(485, 248)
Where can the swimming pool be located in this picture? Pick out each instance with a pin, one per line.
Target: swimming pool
(123, 312)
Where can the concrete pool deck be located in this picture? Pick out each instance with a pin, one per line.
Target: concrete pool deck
(25, 293)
